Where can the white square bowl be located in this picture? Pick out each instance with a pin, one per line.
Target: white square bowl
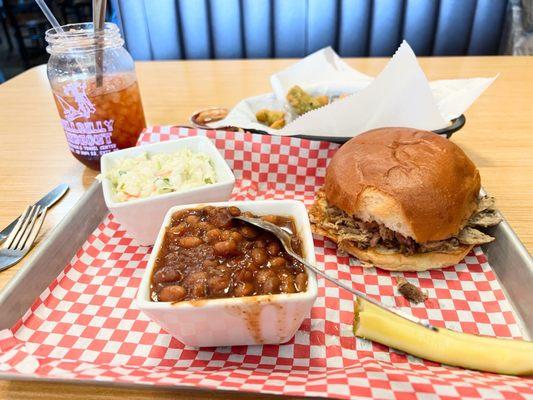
(142, 218)
(264, 319)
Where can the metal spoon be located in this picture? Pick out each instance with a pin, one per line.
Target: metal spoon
(99, 8)
(285, 239)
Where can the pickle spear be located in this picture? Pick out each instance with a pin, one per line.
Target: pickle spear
(482, 353)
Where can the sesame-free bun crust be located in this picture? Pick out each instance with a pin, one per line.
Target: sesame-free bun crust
(414, 182)
(394, 261)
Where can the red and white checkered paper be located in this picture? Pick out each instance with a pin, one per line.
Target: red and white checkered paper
(86, 325)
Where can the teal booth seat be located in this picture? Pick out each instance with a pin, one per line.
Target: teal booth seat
(204, 29)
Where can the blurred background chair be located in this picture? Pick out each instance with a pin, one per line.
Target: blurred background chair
(5, 29)
(202, 29)
(27, 23)
(75, 10)
(22, 43)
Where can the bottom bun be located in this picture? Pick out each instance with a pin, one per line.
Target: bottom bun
(371, 257)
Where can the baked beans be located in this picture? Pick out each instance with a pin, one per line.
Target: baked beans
(207, 254)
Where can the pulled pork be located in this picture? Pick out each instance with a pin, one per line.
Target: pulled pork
(365, 234)
(410, 291)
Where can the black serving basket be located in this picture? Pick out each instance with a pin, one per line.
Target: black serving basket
(455, 125)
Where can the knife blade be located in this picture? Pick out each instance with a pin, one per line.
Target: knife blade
(47, 201)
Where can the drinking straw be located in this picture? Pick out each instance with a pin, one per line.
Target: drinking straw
(99, 7)
(53, 21)
(49, 16)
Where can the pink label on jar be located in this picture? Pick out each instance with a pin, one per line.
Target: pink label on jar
(88, 138)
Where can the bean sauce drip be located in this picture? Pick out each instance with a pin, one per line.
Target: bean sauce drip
(206, 254)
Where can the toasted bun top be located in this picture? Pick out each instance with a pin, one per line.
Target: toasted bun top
(414, 182)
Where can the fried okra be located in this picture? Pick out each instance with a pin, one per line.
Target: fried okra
(272, 118)
(302, 102)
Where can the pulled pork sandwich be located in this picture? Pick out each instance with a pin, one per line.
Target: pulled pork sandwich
(404, 200)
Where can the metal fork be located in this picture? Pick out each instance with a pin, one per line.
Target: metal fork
(21, 238)
(285, 239)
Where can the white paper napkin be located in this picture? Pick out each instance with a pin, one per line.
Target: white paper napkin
(399, 96)
(323, 67)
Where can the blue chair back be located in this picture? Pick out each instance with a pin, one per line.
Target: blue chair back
(204, 29)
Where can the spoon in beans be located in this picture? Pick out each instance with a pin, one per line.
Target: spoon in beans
(285, 239)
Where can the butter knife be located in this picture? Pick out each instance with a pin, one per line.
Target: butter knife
(47, 201)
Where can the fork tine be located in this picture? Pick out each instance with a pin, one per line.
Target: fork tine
(16, 229)
(35, 230)
(27, 231)
(27, 221)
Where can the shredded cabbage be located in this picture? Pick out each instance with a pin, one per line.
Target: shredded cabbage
(151, 175)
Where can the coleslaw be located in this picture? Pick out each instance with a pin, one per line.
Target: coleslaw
(150, 175)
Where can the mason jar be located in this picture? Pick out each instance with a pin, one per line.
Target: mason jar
(95, 90)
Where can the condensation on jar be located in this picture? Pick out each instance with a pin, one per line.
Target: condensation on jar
(95, 89)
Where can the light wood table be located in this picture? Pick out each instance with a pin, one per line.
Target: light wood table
(34, 157)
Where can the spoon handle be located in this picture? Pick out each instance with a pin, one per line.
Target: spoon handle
(99, 9)
(357, 293)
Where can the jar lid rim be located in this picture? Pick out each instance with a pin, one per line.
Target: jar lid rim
(81, 37)
(79, 29)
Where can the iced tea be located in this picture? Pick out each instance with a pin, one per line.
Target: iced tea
(99, 120)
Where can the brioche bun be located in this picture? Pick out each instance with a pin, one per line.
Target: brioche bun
(414, 182)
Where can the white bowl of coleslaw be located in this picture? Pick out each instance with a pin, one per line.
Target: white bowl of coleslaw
(141, 183)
